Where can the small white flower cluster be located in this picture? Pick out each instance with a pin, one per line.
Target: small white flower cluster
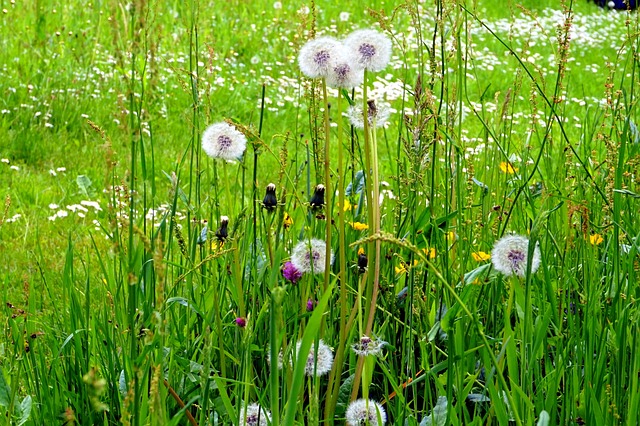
(254, 415)
(80, 210)
(342, 63)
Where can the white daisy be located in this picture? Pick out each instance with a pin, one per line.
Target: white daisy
(509, 255)
(221, 140)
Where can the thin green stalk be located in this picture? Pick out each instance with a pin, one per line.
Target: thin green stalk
(327, 185)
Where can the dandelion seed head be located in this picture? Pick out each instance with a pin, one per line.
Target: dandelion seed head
(317, 56)
(310, 256)
(368, 346)
(510, 253)
(223, 141)
(320, 363)
(378, 115)
(344, 75)
(254, 415)
(365, 412)
(370, 49)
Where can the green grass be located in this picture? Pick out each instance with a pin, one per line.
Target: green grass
(111, 314)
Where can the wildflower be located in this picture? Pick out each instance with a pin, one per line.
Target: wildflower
(509, 256)
(344, 75)
(222, 233)
(378, 114)
(317, 200)
(221, 140)
(241, 322)
(291, 273)
(595, 239)
(507, 168)
(318, 364)
(359, 226)
(403, 268)
(310, 256)
(362, 261)
(254, 415)
(480, 256)
(277, 5)
(344, 16)
(365, 412)
(318, 56)
(310, 305)
(270, 201)
(370, 49)
(430, 252)
(347, 205)
(368, 346)
(287, 222)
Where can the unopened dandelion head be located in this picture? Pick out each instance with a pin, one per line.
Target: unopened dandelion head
(370, 49)
(365, 412)
(317, 56)
(377, 112)
(318, 363)
(254, 415)
(223, 141)
(510, 256)
(345, 75)
(270, 201)
(368, 346)
(310, 256)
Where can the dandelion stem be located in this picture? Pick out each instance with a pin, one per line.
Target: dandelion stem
(327, 185)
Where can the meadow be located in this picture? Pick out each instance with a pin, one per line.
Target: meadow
(452, 241)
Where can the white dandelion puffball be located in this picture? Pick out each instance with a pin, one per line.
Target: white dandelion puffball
(310, 256)
(317, 364)
(509, 256)
(368, 346)
(345, 75)
(365, 412)
(318, 56)
(377, 112)
(254, 415)
(370, 49)
(222, 140)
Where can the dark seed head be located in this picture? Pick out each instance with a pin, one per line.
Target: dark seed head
(222, 233)
(317, 200)
(270, 201)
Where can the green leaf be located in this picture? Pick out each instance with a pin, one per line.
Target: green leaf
(84, 184)
(24, 410)
(5, 391)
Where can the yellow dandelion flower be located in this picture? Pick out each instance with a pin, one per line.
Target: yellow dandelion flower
(359, 226)
(360, 251)
(287, 220)
(507, 168)
(347, 205)
(401, 269)
(480, 256)
(595, 239)
(430, 252)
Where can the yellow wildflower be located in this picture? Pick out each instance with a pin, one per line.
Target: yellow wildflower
(359, 226)
(507, 168)
(430, 252)
(404, 267)
(347, 205)
(287, 220)
(360, 251)
(480, 256)
(451, 236)
(595, 239)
